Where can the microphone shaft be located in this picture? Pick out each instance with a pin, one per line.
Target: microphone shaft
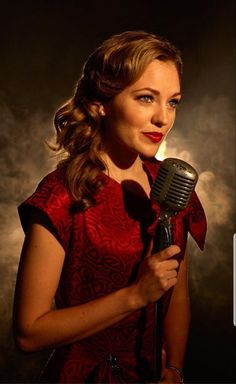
(163, 235)
(163, 239)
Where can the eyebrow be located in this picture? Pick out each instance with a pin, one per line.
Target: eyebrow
(155, 91)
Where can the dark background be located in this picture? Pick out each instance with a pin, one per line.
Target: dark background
(43, 46)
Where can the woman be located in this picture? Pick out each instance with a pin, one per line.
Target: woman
(90, 223)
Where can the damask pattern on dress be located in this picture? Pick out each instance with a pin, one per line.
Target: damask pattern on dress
(104, 246)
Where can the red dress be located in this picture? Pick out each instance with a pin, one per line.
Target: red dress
(104, 246)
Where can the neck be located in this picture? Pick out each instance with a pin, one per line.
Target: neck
(124, 161)
(121, 168)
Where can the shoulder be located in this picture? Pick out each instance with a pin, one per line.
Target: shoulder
(53, 200)
(55, 180)
(51, 190)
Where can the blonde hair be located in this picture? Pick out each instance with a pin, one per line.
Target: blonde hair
(118, 62)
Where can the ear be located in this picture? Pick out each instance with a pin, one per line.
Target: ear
(101, 110)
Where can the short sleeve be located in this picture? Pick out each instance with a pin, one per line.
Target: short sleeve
(52, 198)
(195, 221)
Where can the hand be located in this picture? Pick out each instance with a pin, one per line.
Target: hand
(157, 274)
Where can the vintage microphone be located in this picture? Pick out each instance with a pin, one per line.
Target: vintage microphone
(172, 190)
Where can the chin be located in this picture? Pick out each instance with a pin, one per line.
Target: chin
(149, 153)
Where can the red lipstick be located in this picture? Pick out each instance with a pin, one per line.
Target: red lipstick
(155, 137)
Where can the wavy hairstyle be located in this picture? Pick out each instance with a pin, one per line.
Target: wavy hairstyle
(118, 62)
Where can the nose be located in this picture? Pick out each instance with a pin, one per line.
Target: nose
(160, 116)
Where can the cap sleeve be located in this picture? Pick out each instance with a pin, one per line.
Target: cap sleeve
(51, 198)
(195, 221)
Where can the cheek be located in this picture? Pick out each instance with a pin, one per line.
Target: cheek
(171, 121)
(133, 118)
(171, 126)
(125, 118)
(127, 121)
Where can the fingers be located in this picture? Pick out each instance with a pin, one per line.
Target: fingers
(167, 253)
(157, 273)
(166, 284)
(166, 278)
(169, 265)
(164, 267)
(171, 274)
(164, 256)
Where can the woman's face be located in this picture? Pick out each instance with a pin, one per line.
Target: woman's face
(138, 118)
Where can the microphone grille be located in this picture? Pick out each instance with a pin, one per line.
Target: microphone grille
(174, 184)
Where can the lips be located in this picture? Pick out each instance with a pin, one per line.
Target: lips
(155, 137)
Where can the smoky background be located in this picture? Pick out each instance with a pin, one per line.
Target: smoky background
(44, 45)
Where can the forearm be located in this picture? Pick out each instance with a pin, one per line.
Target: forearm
(63, 326)
(177, 319)
(175, 331)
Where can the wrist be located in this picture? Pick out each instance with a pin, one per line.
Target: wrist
(134, 298)
(178, 371)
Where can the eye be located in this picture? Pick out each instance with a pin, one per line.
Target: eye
(174, 103)
(146, 98)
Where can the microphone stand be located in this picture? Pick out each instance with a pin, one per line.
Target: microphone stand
(163, 239)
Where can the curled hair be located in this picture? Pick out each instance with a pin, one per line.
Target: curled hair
(118, 62)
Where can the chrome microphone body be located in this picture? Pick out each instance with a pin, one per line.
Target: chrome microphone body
(172, 190)
(174, 184)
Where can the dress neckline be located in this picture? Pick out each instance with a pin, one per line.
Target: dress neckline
(149, 166)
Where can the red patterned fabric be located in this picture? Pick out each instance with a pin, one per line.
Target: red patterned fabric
(104, 246)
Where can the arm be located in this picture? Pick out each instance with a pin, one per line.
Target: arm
(37, 326)
(176, 323)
